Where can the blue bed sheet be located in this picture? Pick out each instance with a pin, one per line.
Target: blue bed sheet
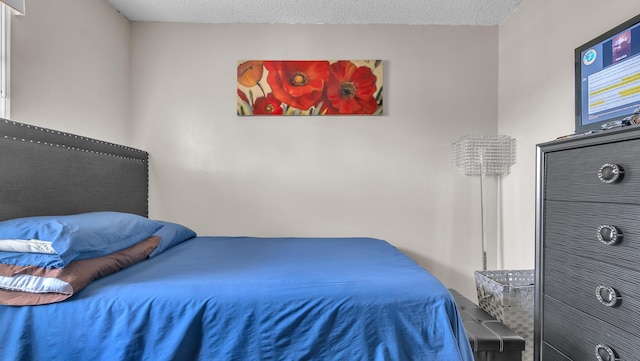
(243, 298)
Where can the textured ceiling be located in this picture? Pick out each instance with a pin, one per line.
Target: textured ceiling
(414, 12)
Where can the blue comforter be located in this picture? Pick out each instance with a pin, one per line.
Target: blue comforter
(241, 298)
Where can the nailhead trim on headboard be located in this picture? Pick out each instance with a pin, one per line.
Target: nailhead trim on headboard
(45, 130)
(80, 149)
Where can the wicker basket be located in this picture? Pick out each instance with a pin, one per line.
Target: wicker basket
(508, 295)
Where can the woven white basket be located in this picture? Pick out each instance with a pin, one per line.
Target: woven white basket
(508, 296)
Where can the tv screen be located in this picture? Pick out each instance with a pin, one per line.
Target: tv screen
(607, 75)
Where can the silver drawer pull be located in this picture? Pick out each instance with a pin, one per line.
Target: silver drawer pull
(605, 353)
(610, 173)
(608, 296)
(609, 235)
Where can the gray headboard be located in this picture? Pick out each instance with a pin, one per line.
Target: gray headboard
(47, 172)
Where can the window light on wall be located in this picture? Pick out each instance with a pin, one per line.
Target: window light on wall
(7, 9)
(16, 5)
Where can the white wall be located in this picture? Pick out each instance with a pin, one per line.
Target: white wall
(70, 68)
(388, 177)
(170, 89)
(536, 96)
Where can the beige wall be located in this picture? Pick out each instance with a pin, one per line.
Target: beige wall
(81, 67)
(170, 89)
(70, 68)
(536, 96)
(388, 177)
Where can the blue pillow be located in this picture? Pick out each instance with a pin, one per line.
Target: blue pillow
(170, 235)
(75, 237)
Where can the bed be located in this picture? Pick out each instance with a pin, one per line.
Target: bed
(182, 296)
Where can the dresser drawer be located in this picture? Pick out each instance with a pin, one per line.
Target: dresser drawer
(573, 174)
(575, 280)
(577, 334)
(572, 227)
(551, 354)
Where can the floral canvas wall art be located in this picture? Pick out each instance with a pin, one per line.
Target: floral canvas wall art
(309, 87)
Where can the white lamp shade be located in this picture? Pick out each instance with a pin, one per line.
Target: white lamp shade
(484, 154)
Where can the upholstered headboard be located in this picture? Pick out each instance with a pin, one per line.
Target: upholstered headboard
(47, 172)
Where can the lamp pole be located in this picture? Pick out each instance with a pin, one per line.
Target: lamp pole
(484, 245)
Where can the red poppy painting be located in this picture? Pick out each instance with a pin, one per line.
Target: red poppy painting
(310, 87)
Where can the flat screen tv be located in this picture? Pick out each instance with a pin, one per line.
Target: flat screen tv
(607, 76)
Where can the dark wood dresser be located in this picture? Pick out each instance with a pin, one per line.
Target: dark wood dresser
(587, 287)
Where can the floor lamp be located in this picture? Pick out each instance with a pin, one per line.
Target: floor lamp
(484, 155)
